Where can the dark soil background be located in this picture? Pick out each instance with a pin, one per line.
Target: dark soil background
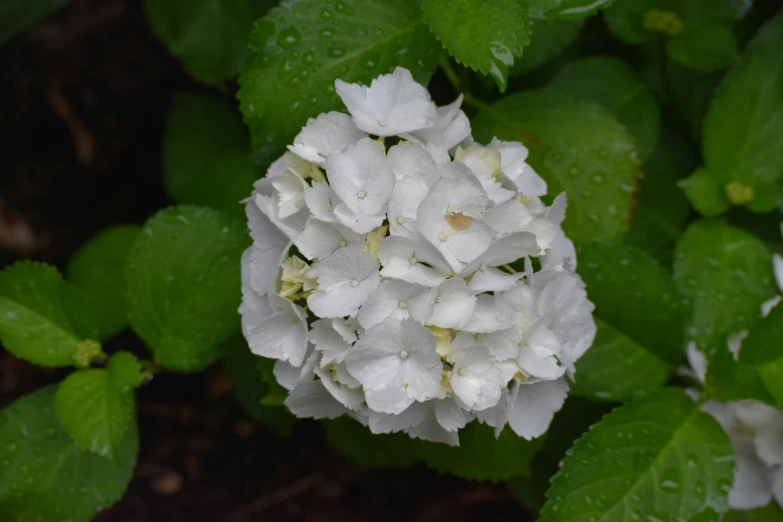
(83, 103)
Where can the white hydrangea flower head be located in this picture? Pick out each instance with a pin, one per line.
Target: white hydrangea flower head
(379, 277)
(756, 430)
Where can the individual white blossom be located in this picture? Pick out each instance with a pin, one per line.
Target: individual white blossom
(391, 272)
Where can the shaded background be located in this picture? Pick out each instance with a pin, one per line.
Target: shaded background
(83, 103)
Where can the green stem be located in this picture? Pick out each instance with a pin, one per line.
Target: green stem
(451, 74)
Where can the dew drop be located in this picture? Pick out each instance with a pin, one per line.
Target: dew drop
(288, 38)
(326, 32)
(598, 179)
(309, 57)
(326, 14)
(340, 7)
(336, 52)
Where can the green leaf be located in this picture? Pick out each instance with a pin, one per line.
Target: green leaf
(16, 16)
(480, 456)
(242, 367)
(357, 443)
(43, 319)
(565, 9)
(206, 153)
(762, 350)
(662, 210)
(45, 475)
(301, 48)
(93, 270)
(745, 117)
(771, 513)
(705, 193)
(485, 36)
(548, 39)
(577, 147)
(183, 284)
(210, 37)
(640, 323)
(727, 274)
(125, 371)
(657, 458)
(614, 85)
(697, 34)
(617, 368)
(94, 411)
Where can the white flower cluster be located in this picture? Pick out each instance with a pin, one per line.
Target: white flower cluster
(756, 430)
(401, 265)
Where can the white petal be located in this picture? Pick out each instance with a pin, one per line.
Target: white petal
(392, 104)
(754, 413)
(493, 280)
(328, 341)
(286, 374)
(777, 264)
(769, 304)
(345, 280)
(769, 442)
(407, 259)
(267, 202)
(539, 366)
(561, 255)
(697, 360)
(327, 134)
(396, 299)
(321, 199)
(777, 486)
(350, 398)
(320, 239)
(486, 316)
(453, 305)
(535, 405)
(411, 416)
(475, 379)
(361, 177)
(751, 487)
(282, 336)
(269, 245)
(310, 399)
(412, 161)
(449, 415)
(432, 431)
(505, 250)
(403, 206)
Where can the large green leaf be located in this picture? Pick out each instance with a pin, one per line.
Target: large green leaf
(485, 36)
(763, 350)
(577, 147)
(43, 319)
(45, 475)
(93, 270)
(565, 9)
(242, 367)
(95, 405)
(662, 210)
(657, 458)
(746, 116)
(548, 39)
(697, 34)
(206, 153)
(480, 456)
(301, 48)
(183, 284)
(614, 85)
(209, 36)
(357, 443)
(727, 274)
(640, 323)
(17, 16)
